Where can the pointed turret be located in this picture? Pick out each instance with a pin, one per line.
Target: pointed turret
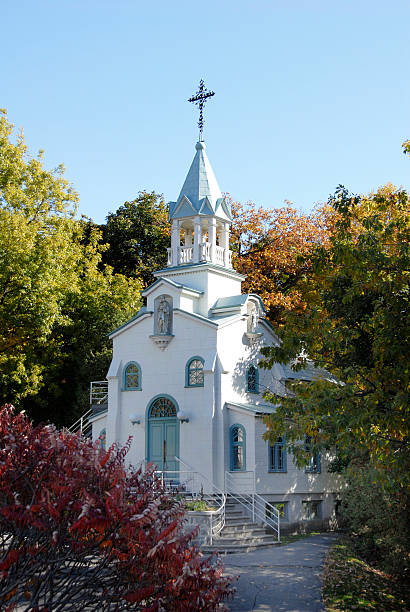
(200, 194)
(200, 218)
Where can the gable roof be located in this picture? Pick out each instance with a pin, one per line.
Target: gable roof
(171, 283)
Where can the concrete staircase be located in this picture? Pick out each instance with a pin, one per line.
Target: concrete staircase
(240, 534)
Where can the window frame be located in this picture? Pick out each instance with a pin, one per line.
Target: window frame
(125, 387)
(314, 465)
(285, 504)
(308, 503)
(275, 449)
(233, 444)
(256, 389)
(187, 372)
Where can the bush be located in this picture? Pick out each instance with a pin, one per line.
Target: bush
(77, 530)
(377, 521)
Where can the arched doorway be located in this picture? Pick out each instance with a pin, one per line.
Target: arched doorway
(163, 433)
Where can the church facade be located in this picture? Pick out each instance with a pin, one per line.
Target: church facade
(185, 380)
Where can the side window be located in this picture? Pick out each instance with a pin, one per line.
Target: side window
(194, 374)
(132, 377)
(238, 448)
(277, 455)
(102, 439)
(252, 379)
(313, 467)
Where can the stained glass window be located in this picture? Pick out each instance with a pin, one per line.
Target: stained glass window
(252, 379)
(132, 379)
(195, 374)
(163, 407)
(238, 448)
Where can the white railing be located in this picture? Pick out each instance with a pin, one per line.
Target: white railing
(219, 255)
(204, 251)
(260, 510)
(191, 483)
(82, 425)
(98, 392)
(185, 254)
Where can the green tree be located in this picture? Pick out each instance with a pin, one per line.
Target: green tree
(57, 301)
(137, 235)
(355, 326)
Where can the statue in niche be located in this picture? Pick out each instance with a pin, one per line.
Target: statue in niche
(163, 316)
(252, 319)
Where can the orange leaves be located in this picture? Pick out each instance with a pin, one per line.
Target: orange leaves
(272, 247)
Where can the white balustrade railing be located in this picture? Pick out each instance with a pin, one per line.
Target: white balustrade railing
(205, 251)
(185, 254)
(260, 510)
(219, 255)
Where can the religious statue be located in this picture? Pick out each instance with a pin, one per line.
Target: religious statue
(252, 320)
(163, 316)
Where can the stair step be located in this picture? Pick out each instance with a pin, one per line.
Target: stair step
(240, 520)
(248, 541)
(243, 529)
(236, 549)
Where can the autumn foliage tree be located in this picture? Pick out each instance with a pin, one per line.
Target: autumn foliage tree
(272, 247)
(77, 530)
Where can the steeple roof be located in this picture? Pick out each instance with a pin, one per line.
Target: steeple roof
(200, 194)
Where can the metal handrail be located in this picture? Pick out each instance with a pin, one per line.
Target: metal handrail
(217, 516)
(98, 392)
(255, 505)
(82, 424)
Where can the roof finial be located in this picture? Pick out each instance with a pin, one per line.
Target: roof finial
(199, 99)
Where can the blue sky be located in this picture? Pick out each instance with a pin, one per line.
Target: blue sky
(308, 94)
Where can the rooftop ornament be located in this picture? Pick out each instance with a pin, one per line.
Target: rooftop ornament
(199, 99)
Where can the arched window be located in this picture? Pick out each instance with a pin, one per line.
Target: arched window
(238, 448)
(277, 455)
(161, 408)
(252, 379)
(313, 467)
(132, 377)
(194, 375)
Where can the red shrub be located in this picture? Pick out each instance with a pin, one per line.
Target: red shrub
(77, 530)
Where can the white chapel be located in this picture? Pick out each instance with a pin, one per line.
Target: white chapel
(185, 380)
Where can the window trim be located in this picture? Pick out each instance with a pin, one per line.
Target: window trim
(319, 506)
(256, 391)
(276, 445)
(187, 366)
(124, 377)
(231, 447)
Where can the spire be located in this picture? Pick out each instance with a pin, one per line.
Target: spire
(200, 194)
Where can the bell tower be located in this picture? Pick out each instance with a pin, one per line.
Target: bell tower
(200, 218)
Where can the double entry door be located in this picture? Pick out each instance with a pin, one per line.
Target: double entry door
(163, 444)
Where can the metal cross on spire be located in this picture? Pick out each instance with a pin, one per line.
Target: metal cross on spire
(199, 99)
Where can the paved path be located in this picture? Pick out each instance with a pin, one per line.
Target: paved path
(280, 578)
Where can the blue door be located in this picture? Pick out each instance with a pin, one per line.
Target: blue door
(163, 434)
